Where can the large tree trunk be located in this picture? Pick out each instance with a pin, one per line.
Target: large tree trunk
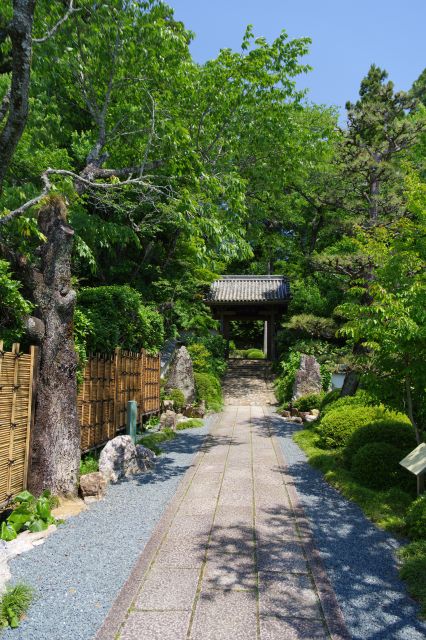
(56, 435)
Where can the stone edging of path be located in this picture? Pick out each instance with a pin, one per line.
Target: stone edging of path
(114, 619)
(331, 610)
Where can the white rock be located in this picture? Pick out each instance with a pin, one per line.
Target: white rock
(118, 459)
(121, 458)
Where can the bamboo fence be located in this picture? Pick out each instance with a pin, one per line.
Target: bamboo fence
(16, 400)
(109, 382)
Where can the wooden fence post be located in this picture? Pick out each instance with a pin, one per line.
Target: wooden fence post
(15, 387)
(34, 354)
(117, 370)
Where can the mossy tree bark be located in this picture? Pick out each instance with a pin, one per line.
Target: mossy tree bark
(56, 435)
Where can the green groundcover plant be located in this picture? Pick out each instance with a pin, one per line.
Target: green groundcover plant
(34, 514)
(89, 464)
(416, 519)
(413, 570)
(14, 604)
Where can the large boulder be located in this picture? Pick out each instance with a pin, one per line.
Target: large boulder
(181, 375)
(308, 377)
(121, 458)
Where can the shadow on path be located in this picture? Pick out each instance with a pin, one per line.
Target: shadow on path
(359, 558)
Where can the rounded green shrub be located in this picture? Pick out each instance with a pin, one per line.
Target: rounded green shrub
(178, 398)
(200, 356)
(416, 519)
(396, 431)
(255, 354)
(308, 402)
(338, 425)
(361, 398)
(208, 389)
(376, 466)
(329, 397)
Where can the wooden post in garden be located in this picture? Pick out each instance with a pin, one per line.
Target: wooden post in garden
(34, 354)
(420, 484)
(132, 412)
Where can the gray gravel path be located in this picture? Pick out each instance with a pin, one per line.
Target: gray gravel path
(79, 570)
(359, 558)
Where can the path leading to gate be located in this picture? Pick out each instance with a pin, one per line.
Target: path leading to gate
(248, 383)
(233, 557)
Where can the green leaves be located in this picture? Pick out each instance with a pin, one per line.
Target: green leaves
(31, 513)
(7, 532)
(13, 604)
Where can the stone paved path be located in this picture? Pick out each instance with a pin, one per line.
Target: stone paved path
(248, 383)
(233, 557)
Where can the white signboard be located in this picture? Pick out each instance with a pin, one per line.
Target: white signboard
(416, 460)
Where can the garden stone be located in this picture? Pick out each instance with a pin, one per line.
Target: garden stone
(168, 420)
(93, 485)
(315, 412)
(145, 458)
(308, 377)
(309, 418)
(118, 459)
(168, 405)
(285, 413)
(198, 411)
(181, 375)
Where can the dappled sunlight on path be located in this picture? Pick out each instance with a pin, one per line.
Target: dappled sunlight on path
(235, 559)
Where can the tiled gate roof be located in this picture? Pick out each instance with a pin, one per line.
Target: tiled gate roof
(249, 289)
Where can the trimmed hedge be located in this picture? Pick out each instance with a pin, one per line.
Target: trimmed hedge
(396, 432)
(309, 401)
(376, 466)
(209, 389)
(337, 426)
(178, 398)
(329, 397)
(255, 354)
(361, 398)
(416, 519)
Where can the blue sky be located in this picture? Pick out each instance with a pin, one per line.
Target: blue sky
(346, 37)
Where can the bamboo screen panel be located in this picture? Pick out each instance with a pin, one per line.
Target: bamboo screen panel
(129, 385)
(109, 382)
(97, 400)
(151, 384)
(16, 384)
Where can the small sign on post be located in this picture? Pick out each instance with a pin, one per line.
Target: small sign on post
(132, 412)
(416, 463)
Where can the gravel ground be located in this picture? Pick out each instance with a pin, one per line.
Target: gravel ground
(359, 558)
(79, 570)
